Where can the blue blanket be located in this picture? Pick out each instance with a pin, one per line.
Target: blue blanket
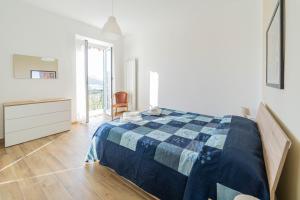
(184, 155)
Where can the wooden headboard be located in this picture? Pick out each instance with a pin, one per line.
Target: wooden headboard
(275, 146)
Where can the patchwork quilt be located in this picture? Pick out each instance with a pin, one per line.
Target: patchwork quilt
(169, 151)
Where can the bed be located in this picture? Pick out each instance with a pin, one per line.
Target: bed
(185, 155)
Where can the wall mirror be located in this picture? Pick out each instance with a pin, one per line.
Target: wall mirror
(275, 49)
(32, 67)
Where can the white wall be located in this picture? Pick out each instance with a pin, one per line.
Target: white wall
(28, 30)
(285, 103)
(207, 54)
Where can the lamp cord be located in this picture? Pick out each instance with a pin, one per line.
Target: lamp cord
(112, 7)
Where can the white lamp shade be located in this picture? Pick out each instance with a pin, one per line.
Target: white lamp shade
(111, 28)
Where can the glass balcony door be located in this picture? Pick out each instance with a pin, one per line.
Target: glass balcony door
(95, 81)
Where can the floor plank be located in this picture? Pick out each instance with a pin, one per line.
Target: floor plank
(11, 191)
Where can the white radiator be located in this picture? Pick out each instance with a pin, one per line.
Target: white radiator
(130, 84)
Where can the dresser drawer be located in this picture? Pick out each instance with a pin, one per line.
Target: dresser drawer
(34, 133)
(12, 125)
(20, 111)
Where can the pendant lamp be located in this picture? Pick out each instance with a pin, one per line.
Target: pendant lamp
(111, 28)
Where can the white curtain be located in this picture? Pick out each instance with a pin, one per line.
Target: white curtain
(81, 82)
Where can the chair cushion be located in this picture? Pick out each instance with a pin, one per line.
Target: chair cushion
(120, 105)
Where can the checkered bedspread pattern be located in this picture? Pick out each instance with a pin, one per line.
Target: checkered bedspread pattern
(174, 139)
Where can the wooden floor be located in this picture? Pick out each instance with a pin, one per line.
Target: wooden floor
(54, 168)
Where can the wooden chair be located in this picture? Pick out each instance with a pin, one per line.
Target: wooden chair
(121, 101)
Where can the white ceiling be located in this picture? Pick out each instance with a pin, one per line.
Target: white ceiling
(93, 12)
(129, 13)
(96, 12)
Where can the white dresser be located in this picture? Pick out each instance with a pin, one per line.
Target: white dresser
(29, 120)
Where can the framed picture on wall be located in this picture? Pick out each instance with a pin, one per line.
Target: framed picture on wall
(40, 74)
(275, 49)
